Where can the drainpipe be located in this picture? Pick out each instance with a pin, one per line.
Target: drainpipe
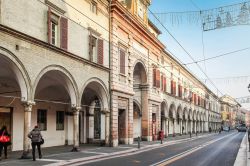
(110, 91)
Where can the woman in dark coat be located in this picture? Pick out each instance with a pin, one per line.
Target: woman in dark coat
(4, 145)
(36, 139)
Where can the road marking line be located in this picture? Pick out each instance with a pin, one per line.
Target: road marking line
(53, 160)
(126, 147)
(93, 152)
(136, 161)
(188, 152)
(84, 160)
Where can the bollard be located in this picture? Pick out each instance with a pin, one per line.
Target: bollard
(190, 134)
(248, 134)
(139, 146)
(161, 140)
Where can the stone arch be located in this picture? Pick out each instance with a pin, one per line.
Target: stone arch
(198, 116)
(179, 111)
(172, 111)
(185, 113)
(94, 83)
(17, 68)
(194, 115)
(164, 108)
(64, 77)
(140, 72)
(190, 115)
(138, 104)
(137, 114)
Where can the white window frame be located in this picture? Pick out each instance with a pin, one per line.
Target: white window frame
(56, 35)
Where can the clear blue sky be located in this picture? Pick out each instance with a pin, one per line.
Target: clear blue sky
(215, 42)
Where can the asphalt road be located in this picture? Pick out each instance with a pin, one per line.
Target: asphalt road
(216, 150)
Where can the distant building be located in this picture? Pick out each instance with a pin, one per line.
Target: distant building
(230, 111)
(247, 118)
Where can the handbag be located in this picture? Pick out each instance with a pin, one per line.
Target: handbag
(42, 141)
(4, 138)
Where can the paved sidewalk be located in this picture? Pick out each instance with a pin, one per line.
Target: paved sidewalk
(62, 155)
(243, 156)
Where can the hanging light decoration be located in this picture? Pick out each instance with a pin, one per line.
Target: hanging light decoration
(222, 17)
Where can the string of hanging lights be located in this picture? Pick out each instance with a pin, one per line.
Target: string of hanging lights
(211, 19)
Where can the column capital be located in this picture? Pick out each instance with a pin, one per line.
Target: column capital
(107, 114)
(144, 87)
(76, 110)
(105, 111)
(28, 105)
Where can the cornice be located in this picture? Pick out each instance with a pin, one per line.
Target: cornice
(119, 9)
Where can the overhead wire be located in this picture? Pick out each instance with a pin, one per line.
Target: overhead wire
(202, 35)
(186, 52)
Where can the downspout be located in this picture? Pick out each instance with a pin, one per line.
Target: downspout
(110, 91)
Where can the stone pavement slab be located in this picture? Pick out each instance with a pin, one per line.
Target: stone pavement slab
(55, 155)
(241, 159)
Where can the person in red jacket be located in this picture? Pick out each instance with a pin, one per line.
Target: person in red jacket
(4, 144)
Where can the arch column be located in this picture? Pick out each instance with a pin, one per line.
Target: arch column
(166, 129)
(203, 129)
(163, 122)
(191, 126)
(181, 127)
(195, 129)
(174, 126)
(76, 111)
(146, 134)
(186, 126)
(107, 117)
(27, 123)
(91, 123)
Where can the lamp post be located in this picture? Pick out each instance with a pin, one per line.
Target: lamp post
(248, 128)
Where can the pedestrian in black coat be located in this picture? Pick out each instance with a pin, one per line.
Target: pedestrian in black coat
(36, 141)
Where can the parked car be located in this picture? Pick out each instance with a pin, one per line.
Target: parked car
(242, 128)
(225, 128)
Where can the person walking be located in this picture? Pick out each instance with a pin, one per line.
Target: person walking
(36, 141)
(4, 141)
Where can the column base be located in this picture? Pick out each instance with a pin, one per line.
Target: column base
(75, 149)
(114, 143)
(146, 138)
(25, 155)
(130, 141)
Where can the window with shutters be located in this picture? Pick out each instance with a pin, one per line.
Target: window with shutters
(54, 30)
(163, 83)
(185, 93)
(122, 61)
(180, 90)
(96, 47)
(156, 78)
(173, 88)
(57, 30)
(195, 99)
(93, 7)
